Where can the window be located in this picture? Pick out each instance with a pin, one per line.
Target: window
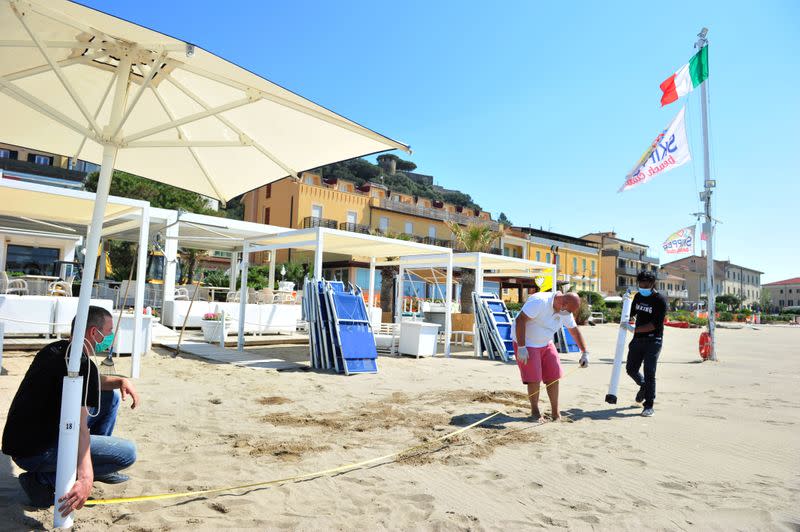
(546, 259)
(432, 231)
(781, 290)
(352, 217)
(409, 228)
(383, 224)
(593, 270)
(538, 256)
(395, 198)
(583, 264)
(790, 303)
(40, 159)
(31, 260)
(574, 265)
(266, 215)
(621, 281)
(621, 263)
(8, 154)
(268, 191)
(780, 303)
(308, 180)
(316, 211)
(790, 290)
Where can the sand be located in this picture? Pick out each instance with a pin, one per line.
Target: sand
(721, 453)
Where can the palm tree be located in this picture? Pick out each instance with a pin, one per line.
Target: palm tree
(472, 238)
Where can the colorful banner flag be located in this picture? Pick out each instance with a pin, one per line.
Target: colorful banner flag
(680, 242)
(669, 150)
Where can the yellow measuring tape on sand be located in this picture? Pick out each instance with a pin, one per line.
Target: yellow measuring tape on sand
(305, 476)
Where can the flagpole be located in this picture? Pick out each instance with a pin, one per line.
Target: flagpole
(705, 197)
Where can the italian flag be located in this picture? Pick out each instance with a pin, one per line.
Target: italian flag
(686, 79)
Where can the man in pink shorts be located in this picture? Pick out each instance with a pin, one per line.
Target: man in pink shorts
(541, 316)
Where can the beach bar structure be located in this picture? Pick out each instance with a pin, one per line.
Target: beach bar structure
(484, 265)
(379, 250)
(38, 211)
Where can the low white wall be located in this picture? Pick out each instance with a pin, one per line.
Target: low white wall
(45, 315)
(258, 318)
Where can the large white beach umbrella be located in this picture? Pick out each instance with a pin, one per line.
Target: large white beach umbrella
(79, 82)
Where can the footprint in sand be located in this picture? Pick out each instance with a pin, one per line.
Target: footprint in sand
(636, 461)
(778, 423)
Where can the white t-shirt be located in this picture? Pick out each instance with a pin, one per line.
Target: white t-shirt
(543, 320)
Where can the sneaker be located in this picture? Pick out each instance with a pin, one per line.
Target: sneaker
(40, 495)
(648, 412)
(112, 478)
(640, 395)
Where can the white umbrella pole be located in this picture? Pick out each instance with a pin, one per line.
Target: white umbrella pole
(448, 303)
(616, 370)
(138, 340)
(478, 289)
(69, 427)
(371, 285)
(243, 295)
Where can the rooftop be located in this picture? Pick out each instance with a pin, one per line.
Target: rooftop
(793, 280)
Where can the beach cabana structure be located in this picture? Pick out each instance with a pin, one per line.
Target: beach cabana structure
(484, 265)
(38, 211)
(77, 81)
(379, 250)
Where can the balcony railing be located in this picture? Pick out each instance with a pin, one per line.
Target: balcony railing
(436, 214)
(354, 228)
(682, 294)
(26, 167)
(313, 221)
(437, 242)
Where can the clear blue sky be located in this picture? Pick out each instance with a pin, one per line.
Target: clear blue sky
(539, 109)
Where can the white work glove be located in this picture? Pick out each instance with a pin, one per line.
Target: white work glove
(630, 327)
(521, 352)
(584, 361)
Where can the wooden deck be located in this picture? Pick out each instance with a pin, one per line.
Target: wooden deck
(215, 353)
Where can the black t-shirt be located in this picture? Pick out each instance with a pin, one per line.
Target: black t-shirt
(35, 413)
(650, 309)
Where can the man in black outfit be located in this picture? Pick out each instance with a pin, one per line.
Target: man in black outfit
(30, 436)
(648, 309)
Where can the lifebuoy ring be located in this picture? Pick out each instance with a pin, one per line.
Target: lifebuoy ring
(705, 345)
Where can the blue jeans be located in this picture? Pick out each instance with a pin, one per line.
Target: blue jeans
(109, 454)
(103, 423)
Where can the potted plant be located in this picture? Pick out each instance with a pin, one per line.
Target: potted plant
(213, 326)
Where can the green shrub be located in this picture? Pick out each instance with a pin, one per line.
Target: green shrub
(612, 315)
(583, 312)
(514, 307)
(595, 299)
(726, 316)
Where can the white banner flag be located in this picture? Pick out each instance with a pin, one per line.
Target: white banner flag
(669, 150)
(680, 242)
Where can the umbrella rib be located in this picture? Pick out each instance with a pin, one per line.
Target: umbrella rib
(334, 120)
(187, 119)
(154, 70)
(57, 70)
(96, 114)
(233, 127)
(38, 105)
(191, 149)
(21, 74)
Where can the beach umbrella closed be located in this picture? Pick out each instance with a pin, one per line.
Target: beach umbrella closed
(82, 83)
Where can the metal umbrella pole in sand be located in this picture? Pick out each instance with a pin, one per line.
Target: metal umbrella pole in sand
(77, 81)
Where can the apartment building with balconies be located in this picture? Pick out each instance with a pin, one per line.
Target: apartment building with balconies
(314, 201)
(621, 261)
(673, 287)
(577, 259)
(729, 278)
(35, 166)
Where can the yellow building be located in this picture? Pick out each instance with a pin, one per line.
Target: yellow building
(578, 260)
(622, 260)
(371, 208)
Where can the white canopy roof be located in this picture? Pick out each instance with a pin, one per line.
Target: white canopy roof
(345, 243)
(192, 119)
(498, 264)
(30, 201)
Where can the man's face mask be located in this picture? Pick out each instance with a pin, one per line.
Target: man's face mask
(645, 291)
(104, 343)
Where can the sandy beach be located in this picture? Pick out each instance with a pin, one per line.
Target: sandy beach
(721, 453)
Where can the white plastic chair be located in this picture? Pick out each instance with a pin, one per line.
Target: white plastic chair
(13, 286)
(59, 288)
(181, 294)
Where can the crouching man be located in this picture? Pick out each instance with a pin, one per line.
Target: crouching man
(30, 436)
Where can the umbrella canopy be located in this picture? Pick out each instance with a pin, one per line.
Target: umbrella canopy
(78, 82)
(612, 299)
(190, 119)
